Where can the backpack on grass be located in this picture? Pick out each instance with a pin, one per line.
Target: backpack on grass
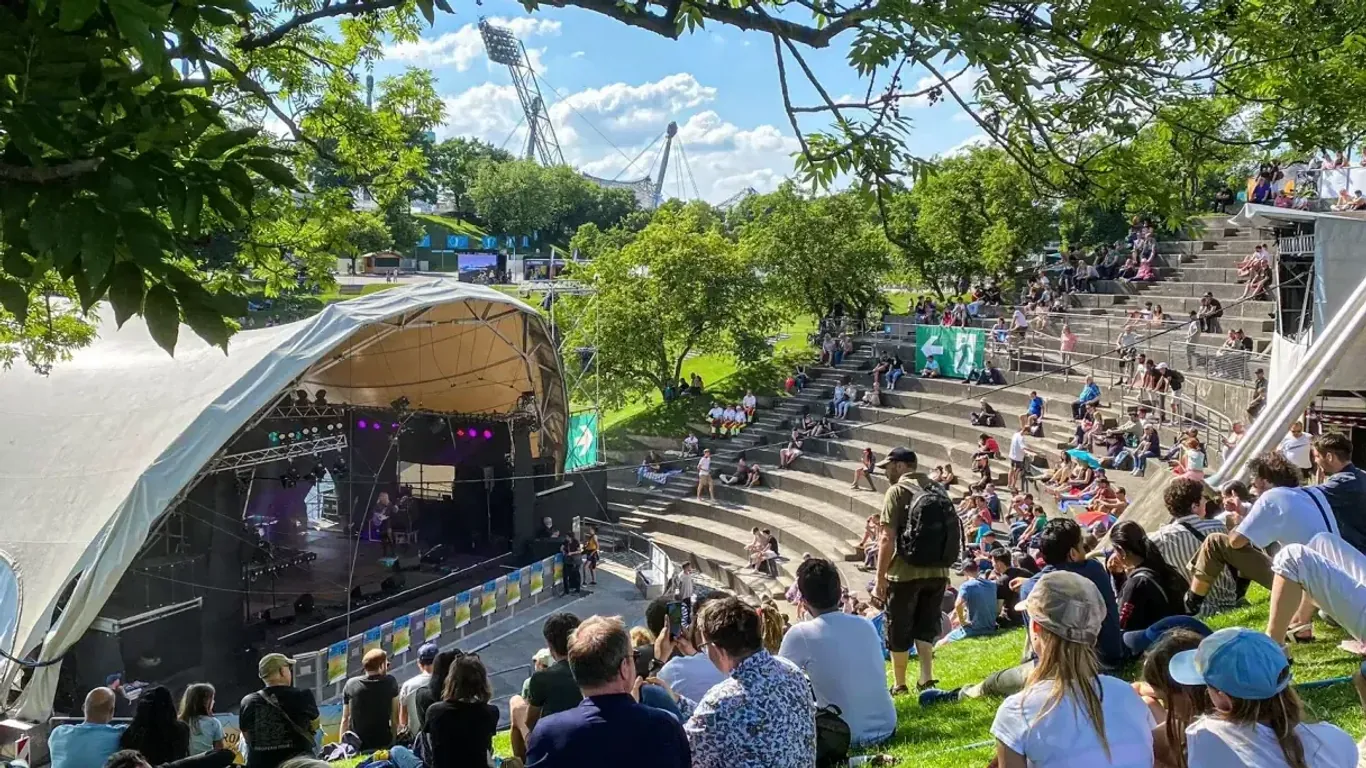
(933, 533)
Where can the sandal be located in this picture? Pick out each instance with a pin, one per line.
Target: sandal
(925, 686)
(1301, 633)
(897, 690)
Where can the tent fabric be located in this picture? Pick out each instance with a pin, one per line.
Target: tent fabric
(94, 453)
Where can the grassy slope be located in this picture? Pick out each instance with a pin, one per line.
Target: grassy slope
(944, 735)
(457, 226)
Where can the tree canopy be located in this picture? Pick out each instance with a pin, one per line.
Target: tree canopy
(677, 288)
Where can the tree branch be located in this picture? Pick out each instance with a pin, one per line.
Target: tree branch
(252, 42)
(723, 14)
(49, 174)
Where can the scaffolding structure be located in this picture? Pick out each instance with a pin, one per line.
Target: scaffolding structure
(504, 48)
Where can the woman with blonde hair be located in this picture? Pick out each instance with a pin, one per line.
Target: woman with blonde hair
(1257, 718)
(196, 711)
(1070, 715)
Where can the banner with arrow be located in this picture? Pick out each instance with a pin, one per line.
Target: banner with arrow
(583, 441)
(957, 350)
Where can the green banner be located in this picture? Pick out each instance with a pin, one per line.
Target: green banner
(583, 441)
(957, 350)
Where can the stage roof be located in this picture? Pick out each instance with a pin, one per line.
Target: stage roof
(93, 454)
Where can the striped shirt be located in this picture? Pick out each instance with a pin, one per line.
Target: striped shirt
(1178, 547)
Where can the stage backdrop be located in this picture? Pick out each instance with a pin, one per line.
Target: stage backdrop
(957, 350)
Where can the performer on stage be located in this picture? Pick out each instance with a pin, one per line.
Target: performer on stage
(571, 551)
(381, 523)
(590, 554)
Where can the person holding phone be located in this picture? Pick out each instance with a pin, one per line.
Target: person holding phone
(687, 671)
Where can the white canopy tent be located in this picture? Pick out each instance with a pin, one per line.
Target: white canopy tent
(93, 454)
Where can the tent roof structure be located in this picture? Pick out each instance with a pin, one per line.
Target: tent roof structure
(94, 453)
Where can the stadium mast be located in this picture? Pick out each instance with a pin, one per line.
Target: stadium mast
(504, 48)
(657, 195)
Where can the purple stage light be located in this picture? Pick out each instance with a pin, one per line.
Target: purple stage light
(376, 425)
(395, 425)
(361, 423)
(488, 434)
(474, 433)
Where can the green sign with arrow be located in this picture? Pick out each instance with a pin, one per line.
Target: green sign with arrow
(957, 350)
(583, 441)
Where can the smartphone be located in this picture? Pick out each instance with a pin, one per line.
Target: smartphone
(678, 618)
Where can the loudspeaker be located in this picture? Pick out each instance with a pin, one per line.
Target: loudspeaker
(303, 604)
(393, 583)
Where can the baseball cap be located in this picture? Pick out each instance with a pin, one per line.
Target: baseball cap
(1066, 604)
(900, 453)
(272, 663)
(427, 653)
(1240, 662)
(1161, 366)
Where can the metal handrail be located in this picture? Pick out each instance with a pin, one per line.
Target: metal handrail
(1187, 412)
(658, 570)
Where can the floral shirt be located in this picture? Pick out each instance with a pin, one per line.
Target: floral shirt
(762, 716)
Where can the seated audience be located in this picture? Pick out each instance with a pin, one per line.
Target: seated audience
(279, 721)
(1174, 706)
(1256, 717)
(716, 417)
(370, 703)
(842, 656)
(686, 668)
(1150, 590)
(608, 726)
(976, 608)
(864, 471)
(691, 446)
(549, 691)
(873, 397)
(1180, 538)
(762, 715)
(749, 402)
(895, 373)
(987, 416)
(196, 711)
(1069, 713)
(155, 731)
(790, 452)
(91, 741)
(460, 728)
(1090, 393)
(931, 370)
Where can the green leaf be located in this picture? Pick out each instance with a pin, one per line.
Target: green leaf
(275, 173)
(175, 202)
(214, 146)
(208, 322)
(163, 317)
(85, 292)
(14, 297)
(44, 228)
(97, 254)
(145, 237)
(75, 12)
(426, 7)
(130, 17)
(242, 187)
(194, 203)
(125, 291)
(17, 264)
(225, 207)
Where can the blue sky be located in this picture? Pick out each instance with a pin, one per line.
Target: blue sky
(720, 85)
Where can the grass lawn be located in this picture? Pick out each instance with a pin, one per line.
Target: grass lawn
(457, 226)
(960, 734)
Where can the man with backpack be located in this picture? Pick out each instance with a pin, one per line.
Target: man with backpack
(921, 538)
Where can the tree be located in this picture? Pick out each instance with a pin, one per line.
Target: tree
(513, 198)
(979, 214)
(677, 288)
(453, 164)
(816, 253)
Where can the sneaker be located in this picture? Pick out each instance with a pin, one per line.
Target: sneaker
(932, 696)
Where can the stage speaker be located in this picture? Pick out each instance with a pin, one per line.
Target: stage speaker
(393, 583)
(304, 604)
(434, 556)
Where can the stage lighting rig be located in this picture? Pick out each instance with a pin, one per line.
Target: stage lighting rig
(290, 478)
(401, 406)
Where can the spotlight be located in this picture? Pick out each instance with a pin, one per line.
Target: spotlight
(331, 427)
(318, 474)
(459, 433)
(320, 397)
(290, 478)
(488, 434)
(473, 433)
(437, 425)
(376, 425)
(361, 424)
(274, 437)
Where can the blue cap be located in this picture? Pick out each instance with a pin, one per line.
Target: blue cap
(1239, 662)
(427, 653)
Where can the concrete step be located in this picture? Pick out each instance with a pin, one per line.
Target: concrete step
(1224, 292)
(721, 566)
(1183, 305)
(1194, 274)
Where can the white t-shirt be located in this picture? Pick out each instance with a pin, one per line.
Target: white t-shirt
(692, 676)
(1017, 447)
(1215, 743)
(1019, 319)
(729, 414)
(715, 413)
(842, 655)
(1287, 516)
(408, 698)
(1064, 738)
(1296, 450)
(704, 465)
(750, 401)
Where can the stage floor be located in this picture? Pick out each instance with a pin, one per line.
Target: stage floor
(342, 564)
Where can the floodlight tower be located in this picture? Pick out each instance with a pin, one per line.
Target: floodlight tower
(504, 48)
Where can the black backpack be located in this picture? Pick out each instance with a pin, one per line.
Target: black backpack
(933, 534)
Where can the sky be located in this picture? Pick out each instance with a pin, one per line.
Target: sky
(612, 89)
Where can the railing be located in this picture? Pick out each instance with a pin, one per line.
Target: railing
(1295, 244)
(1184, 413)
(1202, 360)
(653, 568)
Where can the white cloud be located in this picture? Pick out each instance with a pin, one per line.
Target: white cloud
(723, 158)
(975, 140)
(461, 48)
(577, 55)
